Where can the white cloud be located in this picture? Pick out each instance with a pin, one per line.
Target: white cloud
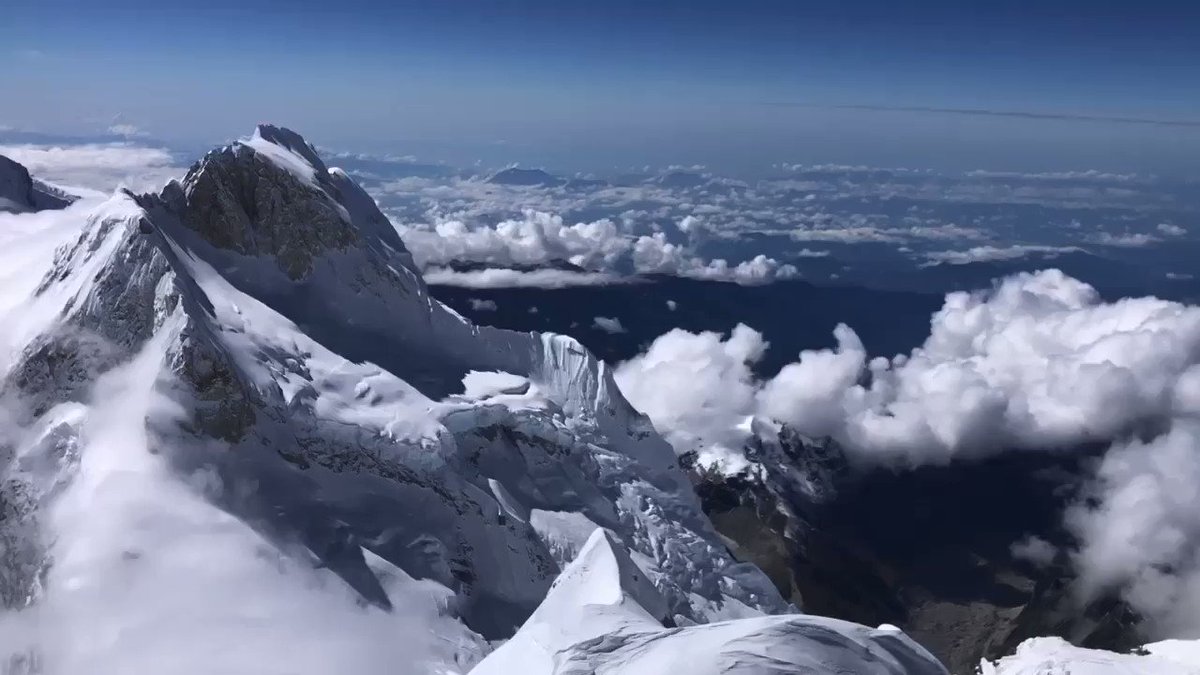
(1126, 240)
(691, 225)
(697, 388)
(1141, 530)
(1089, 175)
(537, 237)
(599, 246)
(126, 130)
(653, 254)
(846, 235)
(483, 305)
(1035, 550)
(102, 167)
(995, 253)
(608, 324)
(1038, 363)
(508, 278)
(1171, 230)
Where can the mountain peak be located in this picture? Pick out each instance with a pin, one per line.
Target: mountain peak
(271, 195)
(289, 140)
(524, 177)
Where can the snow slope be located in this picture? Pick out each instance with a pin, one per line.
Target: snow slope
(602, 616)
(237, 399)
(1055, 656)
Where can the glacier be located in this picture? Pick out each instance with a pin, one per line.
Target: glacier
(239, 435)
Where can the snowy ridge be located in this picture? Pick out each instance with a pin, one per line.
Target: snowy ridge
(602, 616)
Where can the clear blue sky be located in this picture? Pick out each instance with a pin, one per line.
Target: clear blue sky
(625, 81)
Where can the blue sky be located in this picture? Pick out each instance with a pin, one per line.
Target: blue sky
(581, 85)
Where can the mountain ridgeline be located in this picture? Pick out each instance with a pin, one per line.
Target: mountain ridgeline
(243, 380)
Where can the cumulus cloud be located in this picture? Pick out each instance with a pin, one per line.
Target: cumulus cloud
(653, 254)
(1140, 529)
(697, 388)
(1038, 363)
(535, 238)
(995, 253)
(510, 278)
(97, 166)
(1035, 550)
(846, 235)
(600, 246)
(483, 305)
(1171, 230)
(608, 324)
(838, 205)
(1126, 240)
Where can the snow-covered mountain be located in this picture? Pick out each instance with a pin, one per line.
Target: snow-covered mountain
(241, 436)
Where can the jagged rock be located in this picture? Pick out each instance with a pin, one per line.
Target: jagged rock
(876, 546)
(16, 187)
(20, 193)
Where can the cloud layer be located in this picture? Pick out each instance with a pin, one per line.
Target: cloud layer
(101, 167)
(1038, 363)
(601, 248)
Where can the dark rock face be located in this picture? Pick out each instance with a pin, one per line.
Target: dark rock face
(927, 550)
(20, 193)
(16, 187)
(238, 200)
